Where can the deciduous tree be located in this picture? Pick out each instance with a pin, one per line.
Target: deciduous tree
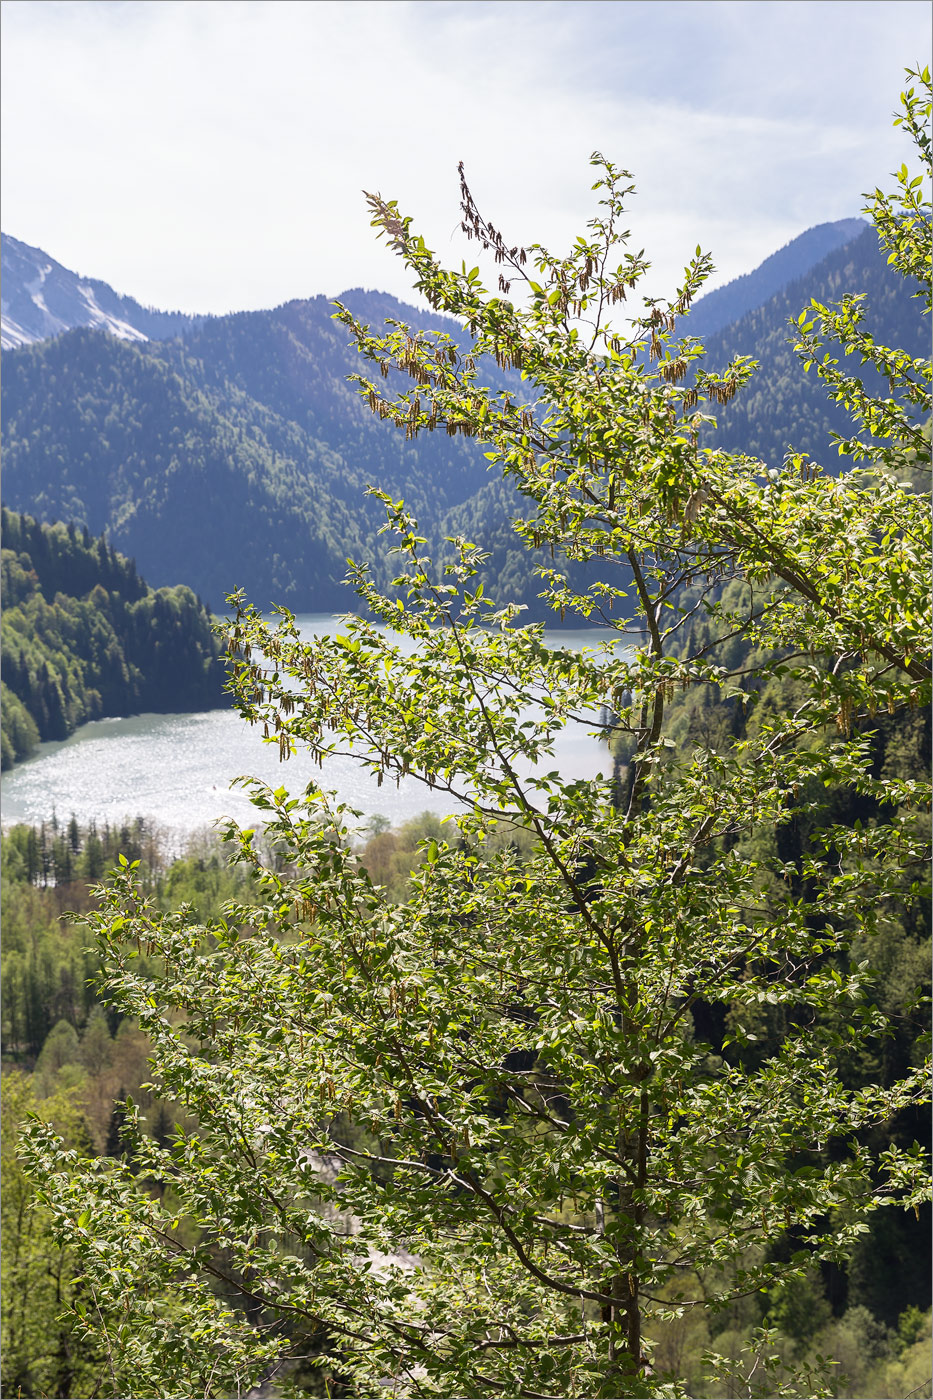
(484, 1141)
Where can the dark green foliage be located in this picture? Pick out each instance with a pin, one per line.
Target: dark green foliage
(782, 407)
(238, 456)
(889, 1269)
(114, 1144)
(85, 638)
(19, 735)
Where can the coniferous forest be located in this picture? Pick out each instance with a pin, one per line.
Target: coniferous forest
(601, 1088)
(85, 638)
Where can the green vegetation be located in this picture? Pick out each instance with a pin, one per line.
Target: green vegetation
(40, 1355)
(69, 1060)
(781, 410)
(46, 871)
(85, 638)
(49, 1007)
(625, 1106)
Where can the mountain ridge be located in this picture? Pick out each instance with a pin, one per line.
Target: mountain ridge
(42, 298)
(28, 317)
(237, 455)
(725, 305)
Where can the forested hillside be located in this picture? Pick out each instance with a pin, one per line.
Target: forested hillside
(782, 406)
(84, 637)
(238, 455)
(726, 305)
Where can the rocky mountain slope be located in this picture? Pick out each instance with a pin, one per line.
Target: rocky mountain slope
(41, 298)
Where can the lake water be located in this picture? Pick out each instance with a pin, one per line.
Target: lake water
(176, 770)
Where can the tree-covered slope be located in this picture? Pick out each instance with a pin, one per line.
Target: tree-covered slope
(209, 488)
(238, 455)
(296, 361)
(783, 407)
(728, 304)
(84, 637)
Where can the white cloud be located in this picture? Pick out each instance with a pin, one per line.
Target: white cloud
(209, 154)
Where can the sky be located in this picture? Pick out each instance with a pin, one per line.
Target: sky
(210, 155)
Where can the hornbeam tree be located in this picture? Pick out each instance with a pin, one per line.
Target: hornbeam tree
(487, 1141)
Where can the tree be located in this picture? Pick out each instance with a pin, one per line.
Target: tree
(39, 1354)
(489, 1140)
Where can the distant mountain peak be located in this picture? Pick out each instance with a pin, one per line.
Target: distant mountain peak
(41, 298)
(725, 305)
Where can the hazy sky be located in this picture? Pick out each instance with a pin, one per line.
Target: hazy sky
(208, 155)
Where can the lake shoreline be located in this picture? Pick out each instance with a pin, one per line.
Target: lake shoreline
(175, 769)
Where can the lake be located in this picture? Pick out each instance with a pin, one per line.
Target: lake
(176, 769)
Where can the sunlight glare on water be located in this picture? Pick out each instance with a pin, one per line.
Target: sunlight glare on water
(176, 770)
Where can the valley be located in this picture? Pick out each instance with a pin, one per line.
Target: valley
(625, 995)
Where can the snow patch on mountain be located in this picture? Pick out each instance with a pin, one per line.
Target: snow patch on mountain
(41, 298)
(98, 317)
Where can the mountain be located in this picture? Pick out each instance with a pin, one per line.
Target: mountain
(785, 408)
(40, 298)
(737, 298)
(84, 637)
(237, 455)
